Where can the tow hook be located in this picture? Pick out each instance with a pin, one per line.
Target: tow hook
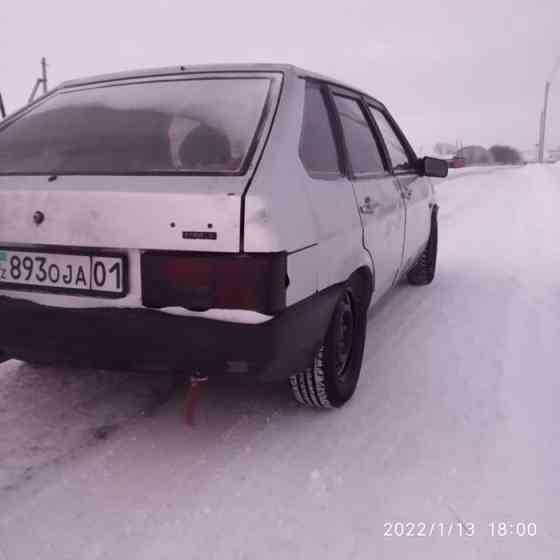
(193, 396)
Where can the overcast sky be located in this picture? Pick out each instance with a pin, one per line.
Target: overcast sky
(471, 71)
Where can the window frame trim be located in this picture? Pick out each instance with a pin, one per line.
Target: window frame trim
(335, 90)
(413, 158)
(322, 175)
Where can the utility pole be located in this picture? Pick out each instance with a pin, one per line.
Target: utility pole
(40, 81)
(542, 127)
(542, 133)
(2, 108)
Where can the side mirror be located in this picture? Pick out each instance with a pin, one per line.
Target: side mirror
(432, 167)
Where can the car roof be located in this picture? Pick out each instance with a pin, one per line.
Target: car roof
(288, 69)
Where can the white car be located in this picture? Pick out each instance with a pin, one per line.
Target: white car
(215, 220)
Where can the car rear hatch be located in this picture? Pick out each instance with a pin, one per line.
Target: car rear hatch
(130, 170)
(158, 163)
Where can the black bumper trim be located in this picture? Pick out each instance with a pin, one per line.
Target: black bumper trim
(144, 339)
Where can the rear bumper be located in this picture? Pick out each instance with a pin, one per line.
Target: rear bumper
(144, 339)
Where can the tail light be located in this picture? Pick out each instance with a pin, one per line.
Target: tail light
(201, 281)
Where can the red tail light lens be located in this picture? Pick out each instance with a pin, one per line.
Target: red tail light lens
(201, 281)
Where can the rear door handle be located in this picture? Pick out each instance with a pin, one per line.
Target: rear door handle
(406, 193)
(368, 207)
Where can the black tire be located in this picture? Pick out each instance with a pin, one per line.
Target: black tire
(331, 380)
(423, 272)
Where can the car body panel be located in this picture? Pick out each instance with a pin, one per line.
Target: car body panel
(319, 217)
(277, 212)
(115, 211)
(382, 212)
(418, 196)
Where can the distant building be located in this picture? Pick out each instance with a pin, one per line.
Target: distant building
(554, 154)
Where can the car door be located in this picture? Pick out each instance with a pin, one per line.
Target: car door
(333, 205)
(378, 198)
(416, 190)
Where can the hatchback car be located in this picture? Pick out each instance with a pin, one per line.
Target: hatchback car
(223, 220)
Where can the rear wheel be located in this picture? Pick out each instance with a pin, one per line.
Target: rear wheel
(331, 379)
(423, 272)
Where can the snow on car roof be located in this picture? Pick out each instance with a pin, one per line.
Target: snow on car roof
(288, 69)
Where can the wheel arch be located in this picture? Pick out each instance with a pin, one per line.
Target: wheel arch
(363, 280)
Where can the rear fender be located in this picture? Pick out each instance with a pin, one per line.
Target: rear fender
(339, 270)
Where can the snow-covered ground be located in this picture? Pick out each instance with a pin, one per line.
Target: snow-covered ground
(455, 421)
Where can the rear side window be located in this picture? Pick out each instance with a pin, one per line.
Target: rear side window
(364, 153)
(397, 152)
(193, 126)
(317, 145)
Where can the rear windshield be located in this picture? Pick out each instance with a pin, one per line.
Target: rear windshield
(181, 126)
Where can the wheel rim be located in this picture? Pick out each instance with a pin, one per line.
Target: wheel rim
(344, 335)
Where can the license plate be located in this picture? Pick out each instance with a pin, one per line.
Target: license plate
(91, 274)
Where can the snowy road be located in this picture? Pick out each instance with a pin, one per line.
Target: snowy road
(456, 420)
